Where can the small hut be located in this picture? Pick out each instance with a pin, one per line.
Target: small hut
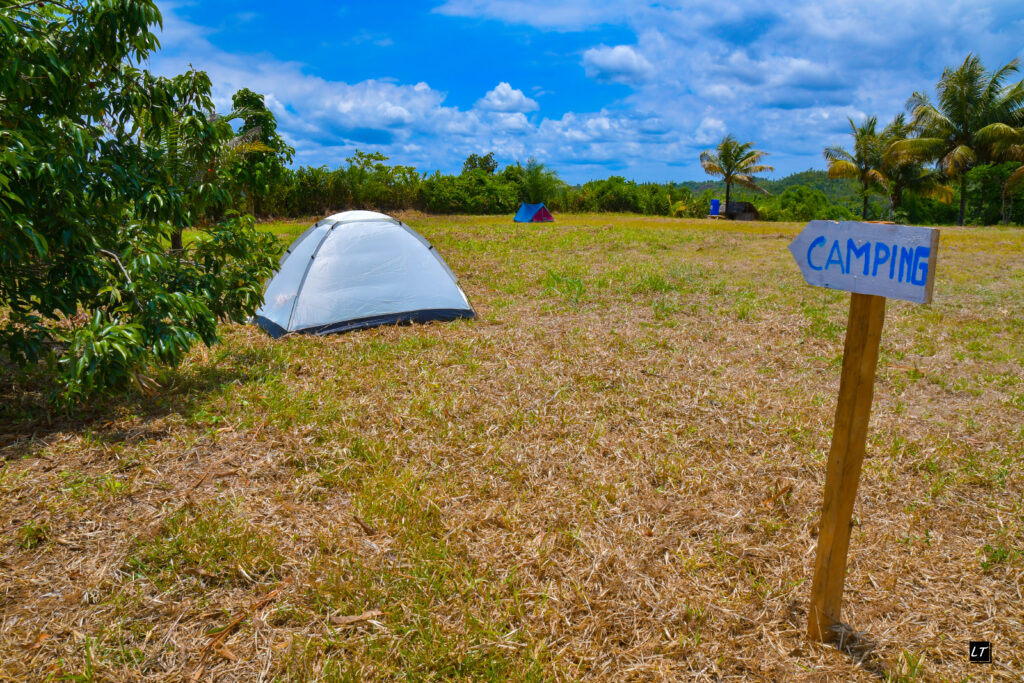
(741, 211)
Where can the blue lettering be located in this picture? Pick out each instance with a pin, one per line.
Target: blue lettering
(818, 241)
(892, 262)
(864, 253)
(906, 259)
(920, 273)
(835, 255)
(881, 256)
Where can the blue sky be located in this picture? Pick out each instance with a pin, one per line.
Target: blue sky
(592, 88)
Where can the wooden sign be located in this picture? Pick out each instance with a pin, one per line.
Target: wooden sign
(874, 262)
(894, 261)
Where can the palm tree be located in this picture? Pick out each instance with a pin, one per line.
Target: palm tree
(736, 163)
(540, 183)
(900, 176)
(975, 113)
(863, 164)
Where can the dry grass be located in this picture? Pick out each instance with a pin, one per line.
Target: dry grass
(613, 474)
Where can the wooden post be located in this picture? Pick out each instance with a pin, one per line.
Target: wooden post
(856, 386)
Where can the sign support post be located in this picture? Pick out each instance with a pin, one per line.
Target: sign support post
(873, 262)
(849, 437)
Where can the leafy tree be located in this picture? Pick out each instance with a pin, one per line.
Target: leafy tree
(799, 203)
(312, 190)
(183, 153)
(261, 154)
(1010, 149)
(993, 193)
(976, 112)
(88, 202)
(485, 163)
(539, 182)
(474, 192)
(737, 163)
(1013, 183)
(689, 206)
(863, 164)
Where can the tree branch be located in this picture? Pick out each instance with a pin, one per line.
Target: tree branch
(131, 285)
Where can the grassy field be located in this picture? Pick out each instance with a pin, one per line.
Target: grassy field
(615, 473)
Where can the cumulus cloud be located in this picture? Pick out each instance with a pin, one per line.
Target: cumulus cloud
(619, 64)
(710, 131)
(515, 122)
(567, 15)
(505, 98)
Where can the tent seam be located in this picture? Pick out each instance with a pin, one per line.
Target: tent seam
(309, 264)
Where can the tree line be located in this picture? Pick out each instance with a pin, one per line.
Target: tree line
(963, 150)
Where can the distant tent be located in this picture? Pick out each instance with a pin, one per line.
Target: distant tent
(533, 213)
(359, 269)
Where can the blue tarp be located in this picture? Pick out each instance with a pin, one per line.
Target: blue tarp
(532, 213)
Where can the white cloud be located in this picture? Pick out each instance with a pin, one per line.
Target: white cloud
(505, 98)
(568, 15)
(710, 131)
(619, 64)
(513, 122)
(783, 76)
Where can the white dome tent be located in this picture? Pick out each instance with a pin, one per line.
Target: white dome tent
(355, 270)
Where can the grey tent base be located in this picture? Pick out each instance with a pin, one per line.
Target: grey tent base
(406, 318)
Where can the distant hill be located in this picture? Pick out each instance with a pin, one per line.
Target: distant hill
(841, 191)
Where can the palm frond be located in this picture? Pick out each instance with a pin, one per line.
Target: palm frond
(1015, 180)
(940, 192)
(841, 168)
(914, 149)
(838, 154)
(749, 182)
(752, 157)
(875, 177)
(998, 77)
(251, 148)
(711, 164)
(931, 122)
(999, 134)
(247, 137)
(957, 160)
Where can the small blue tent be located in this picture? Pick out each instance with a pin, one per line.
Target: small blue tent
(533, 213)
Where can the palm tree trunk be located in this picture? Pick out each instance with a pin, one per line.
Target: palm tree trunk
(728, 188)
(176, 245)
(963, 198)
(864, 208)
(895, 202)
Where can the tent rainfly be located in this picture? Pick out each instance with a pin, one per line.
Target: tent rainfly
(533, 213)
(355, 270)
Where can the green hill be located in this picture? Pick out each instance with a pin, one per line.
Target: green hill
(838, 191)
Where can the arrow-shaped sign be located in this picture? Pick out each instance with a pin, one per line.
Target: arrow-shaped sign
(873, 261)
(895, 261)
